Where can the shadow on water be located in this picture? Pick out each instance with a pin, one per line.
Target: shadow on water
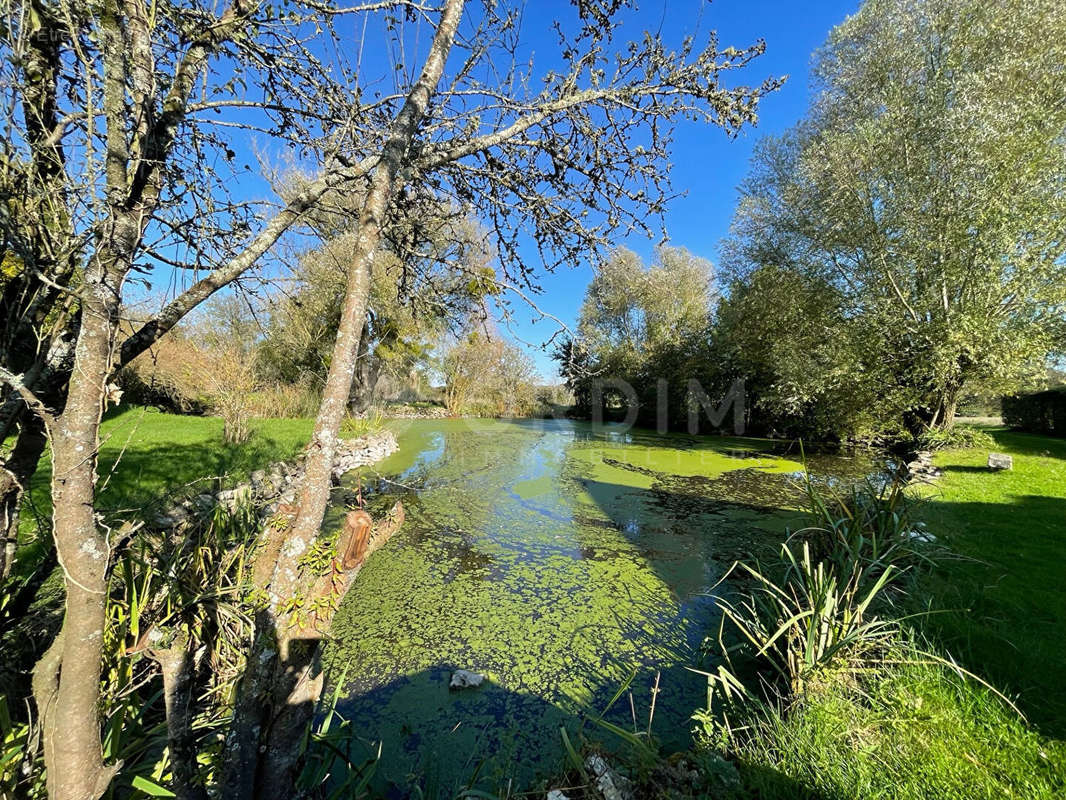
(436, 741)
(556, 561)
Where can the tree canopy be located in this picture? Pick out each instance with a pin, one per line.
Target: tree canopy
(926, 187)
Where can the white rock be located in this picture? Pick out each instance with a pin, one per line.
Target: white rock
(1000, 461)
(610, 784)
(921, 536)
(465, 679)
(557, 794)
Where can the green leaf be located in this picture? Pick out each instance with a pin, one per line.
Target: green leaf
(151, 788)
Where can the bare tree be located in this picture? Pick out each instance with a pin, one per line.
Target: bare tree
(113, 118)
(572, 164)
(120, 169)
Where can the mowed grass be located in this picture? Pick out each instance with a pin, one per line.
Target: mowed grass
(996, 605)
(1000, 606)
(919, 731)
(146, 455)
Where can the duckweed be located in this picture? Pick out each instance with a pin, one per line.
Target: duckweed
(555, 560)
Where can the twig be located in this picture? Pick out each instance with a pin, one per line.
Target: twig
(27, 395)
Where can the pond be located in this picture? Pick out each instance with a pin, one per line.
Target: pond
(558, 560)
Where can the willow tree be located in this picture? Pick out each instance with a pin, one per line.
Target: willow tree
(430, 275)
(646, 326)
(123, 126)
(927, 185)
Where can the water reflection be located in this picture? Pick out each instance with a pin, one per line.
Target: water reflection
(556, 560)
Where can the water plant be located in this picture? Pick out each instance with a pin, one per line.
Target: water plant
(817, 617)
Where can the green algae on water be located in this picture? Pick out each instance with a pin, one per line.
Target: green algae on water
(557, 561)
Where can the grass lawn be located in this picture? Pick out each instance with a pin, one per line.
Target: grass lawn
(917, 732)
(998, 604)
(1002, 606)
(158, 453)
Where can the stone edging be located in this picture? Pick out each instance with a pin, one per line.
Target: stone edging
(268, 488)
(920, 468)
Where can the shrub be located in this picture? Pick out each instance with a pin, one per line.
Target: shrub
(1042, 412)
(956, 437)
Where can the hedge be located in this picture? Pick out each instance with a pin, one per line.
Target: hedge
(1042, 412)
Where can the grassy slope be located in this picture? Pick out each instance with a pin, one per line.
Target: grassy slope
(158, 453)
(1000, 611)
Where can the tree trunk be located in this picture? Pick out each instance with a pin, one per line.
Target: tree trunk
(277, 694)
(946, 404)
(368, 370)
(68, 704)
(14, 477)
(315, 492)
(179, 692)
(283, 680)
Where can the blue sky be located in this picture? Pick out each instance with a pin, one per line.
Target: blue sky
(707, 164)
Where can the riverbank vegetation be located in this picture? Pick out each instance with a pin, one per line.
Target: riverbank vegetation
(899, 647)
(873, 688)
(898, 250)
(892, 707)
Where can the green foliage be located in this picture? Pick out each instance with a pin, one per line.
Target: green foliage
(189, 593)
(21, 774)
(783, 333)
(642, 325)
(926, 188)
(955, 437)
(166, 591)
(1040, 412)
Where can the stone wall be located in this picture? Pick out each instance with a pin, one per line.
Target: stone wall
(266, 489)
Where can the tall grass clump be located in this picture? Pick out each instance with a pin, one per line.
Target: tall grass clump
(822, 688)
(818, 608)
(815, 618)
(354, 426)
(181, 607)
(954, 438)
